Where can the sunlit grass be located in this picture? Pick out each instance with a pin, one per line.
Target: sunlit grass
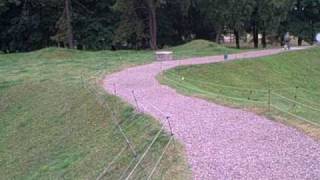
(292, 78)
(53, 127)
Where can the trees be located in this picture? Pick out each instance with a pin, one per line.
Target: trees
(238, 15)
(64, 26)
(68, 11)
(227, 14)
(215, 13)
(267, 17)
(131, 28)
(152, 6)
(3, 6)
(94, 24)
(27, 24)
(304, 19)
(24, 25)
(139, 20)
(135, 14)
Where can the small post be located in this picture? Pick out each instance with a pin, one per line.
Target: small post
(136, 101)
(168, 119)
(114, 119)
(251, 92)
(269, 100)
(226, 56)
(295, 97)
(296, 93)
(114, 89)
(81, 79)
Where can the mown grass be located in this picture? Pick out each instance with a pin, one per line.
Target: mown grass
(292, 78)
(54, 123)
(198, 48)
(51, 127)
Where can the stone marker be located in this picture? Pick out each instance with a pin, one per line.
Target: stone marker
(164, 56)
(226, 56)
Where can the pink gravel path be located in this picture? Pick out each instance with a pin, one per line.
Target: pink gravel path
(221, 142)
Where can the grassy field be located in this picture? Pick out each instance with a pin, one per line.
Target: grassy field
(288, 82)
(200, 48)
(54, 123)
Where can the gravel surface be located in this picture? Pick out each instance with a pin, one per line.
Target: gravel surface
(221, 142)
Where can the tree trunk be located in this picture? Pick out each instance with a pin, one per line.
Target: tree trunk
(312, 33)
(300, 41)
(237, 36)
(68, 23)
(153, 26)
(264, 39)
(255, 36)
(218, 36)
(281, 40)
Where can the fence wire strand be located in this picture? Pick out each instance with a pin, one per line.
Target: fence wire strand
(296, 102)
(186, 84)
(160, 158)
(105, 171)
(296, 116)
(145, 153)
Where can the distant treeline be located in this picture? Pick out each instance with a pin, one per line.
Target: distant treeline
(140, 24)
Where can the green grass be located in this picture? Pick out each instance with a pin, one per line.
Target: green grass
(54, 123)
(198, 48)
(245, 84)
(51, 127)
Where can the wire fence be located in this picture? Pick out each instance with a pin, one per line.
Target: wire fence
(266, 98)
(144, 157)
(141, 153)
(297, 107)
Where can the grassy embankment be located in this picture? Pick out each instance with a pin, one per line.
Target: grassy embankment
(52, 126)
(292, 78)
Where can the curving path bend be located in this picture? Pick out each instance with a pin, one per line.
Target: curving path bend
(221, 142)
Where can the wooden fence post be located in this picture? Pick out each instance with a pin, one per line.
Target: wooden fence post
(269, 100)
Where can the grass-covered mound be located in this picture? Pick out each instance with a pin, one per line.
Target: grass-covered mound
(198, 48)
(292, 78)
(54, 124)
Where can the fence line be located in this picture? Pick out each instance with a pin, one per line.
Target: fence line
(136, 101)
(188, 86)
(293, 101)
(128, 167)
(145, 153)
(160, 158)
(105, 171)
(220, 85)
(296, 116)
(132, 123)
(248, 90)
(113, 116)
(92, 90)
(167, 116)
(309, 102)
(310, 92)
(240, 88)
(129, 125)
(215, 94)
(89, 89)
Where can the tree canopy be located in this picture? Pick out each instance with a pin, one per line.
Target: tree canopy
(96, 24)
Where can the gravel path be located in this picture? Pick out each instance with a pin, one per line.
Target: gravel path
(221, 142)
